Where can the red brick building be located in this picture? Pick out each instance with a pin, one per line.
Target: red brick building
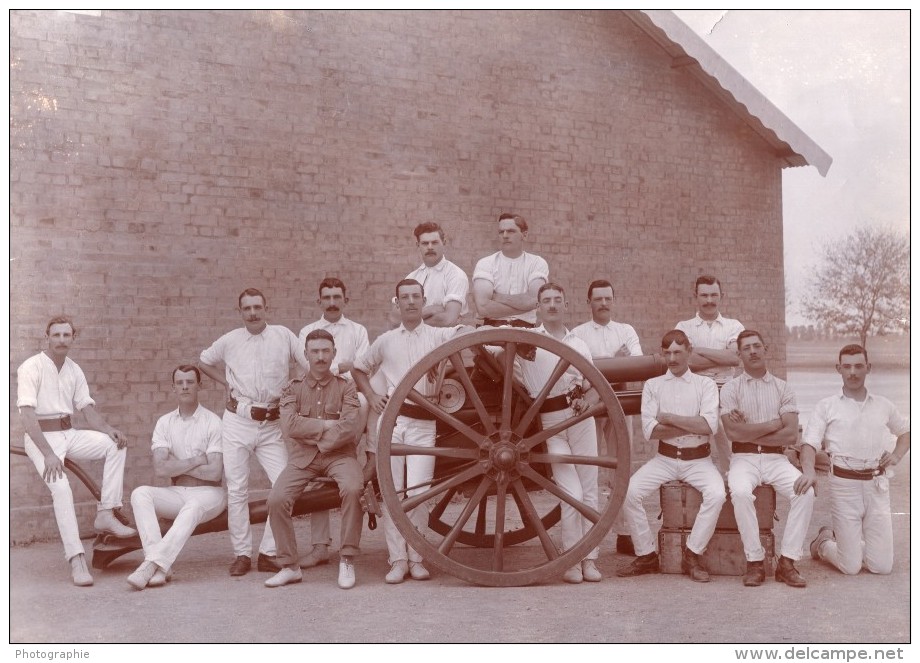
(163, 161)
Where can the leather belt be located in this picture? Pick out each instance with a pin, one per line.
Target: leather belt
(683, 453)
(554, 404)
(256, 413)
(751, 448)
(859, 475)
(416, 412)
(54, 425)
(513, 322)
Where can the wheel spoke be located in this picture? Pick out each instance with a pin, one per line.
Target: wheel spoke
(599, 461)
(472, 393)
(561, 366)
(411, 502)
(481, 517)
(471, 434)
(547, 433)
(551, 487)
(507, 382)
(498, 550)
(440, 452)
(530, 515)
(464, 516)
(439, 508)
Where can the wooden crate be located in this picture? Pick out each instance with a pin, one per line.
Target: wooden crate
(724, 555)
(680, 502)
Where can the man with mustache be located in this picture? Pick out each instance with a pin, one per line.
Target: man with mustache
(714, 339)
(606, 338)
(680, 410)
(446, 285)
(761, 418)
(187, 449)
(505, 284)
(577, 480)
(856, 428)
(350, 343)
(257, 359)
(51, 386)
(393, 354)
(319, 414)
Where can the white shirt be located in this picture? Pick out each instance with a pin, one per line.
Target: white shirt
(187, 437)
(605, 340)
(443, 283)
(534, 374)
(50, 392)
(513, 276)
(760, 399)
(350, 339)
(258, 365)
(861, 431)
(720, 334)
(395, 352)
(688, 395)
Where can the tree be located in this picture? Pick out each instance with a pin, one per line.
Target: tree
(861, 285)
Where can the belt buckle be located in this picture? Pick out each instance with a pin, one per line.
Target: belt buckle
(678, 452)
(65, 421)
(759, 449)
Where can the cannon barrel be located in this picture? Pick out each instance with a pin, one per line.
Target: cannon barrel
(631, 369)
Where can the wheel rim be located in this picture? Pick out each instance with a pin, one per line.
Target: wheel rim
(496, 454)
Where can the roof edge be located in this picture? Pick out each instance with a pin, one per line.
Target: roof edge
(690, 52)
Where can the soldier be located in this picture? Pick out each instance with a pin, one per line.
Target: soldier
(680, 410)
(856, 427)
(51, 386)
(760, 417)
(187, 449)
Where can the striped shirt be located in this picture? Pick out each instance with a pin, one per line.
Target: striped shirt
(759, 399)
(687, 395)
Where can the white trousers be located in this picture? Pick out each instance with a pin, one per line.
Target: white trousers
(700, 473)
(187, 507)
(749, 471)
(579, 481)
(79, 445)
(241, 439)
(410, 471)
(861, 516)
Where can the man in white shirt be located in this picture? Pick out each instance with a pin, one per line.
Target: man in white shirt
(606, 338)
(680, 410)
(393, 354)
(446, 285)
(51, 387)
(187, 450)
(856, 428)
(505, 284)
(567, 398)
(714, 339)
(257, 359)
(761, 419)
(350, 343)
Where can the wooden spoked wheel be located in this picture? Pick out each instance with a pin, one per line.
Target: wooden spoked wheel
(492, 484)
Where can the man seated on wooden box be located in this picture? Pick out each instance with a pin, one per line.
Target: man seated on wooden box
(761, 419)
(680, 410)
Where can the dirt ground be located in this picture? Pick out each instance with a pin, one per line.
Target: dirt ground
(203, 604)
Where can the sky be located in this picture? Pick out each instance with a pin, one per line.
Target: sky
(843, 77)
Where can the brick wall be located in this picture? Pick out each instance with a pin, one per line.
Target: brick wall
(162, 162)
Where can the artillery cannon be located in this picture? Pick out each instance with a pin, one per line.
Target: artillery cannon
(490, 460)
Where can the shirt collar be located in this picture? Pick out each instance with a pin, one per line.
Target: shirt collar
(684, 378)
(327, 323)
(844, 397)
(402, 328)
(542, 330)
(313, 382)
(194, 415)
(437, 267)
(698, 321)
(768, 377)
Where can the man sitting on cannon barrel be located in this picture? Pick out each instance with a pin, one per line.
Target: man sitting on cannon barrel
(319, 417)
(187, 450)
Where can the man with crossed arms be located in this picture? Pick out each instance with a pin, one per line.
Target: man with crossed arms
(761, 419)
(187, 449)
